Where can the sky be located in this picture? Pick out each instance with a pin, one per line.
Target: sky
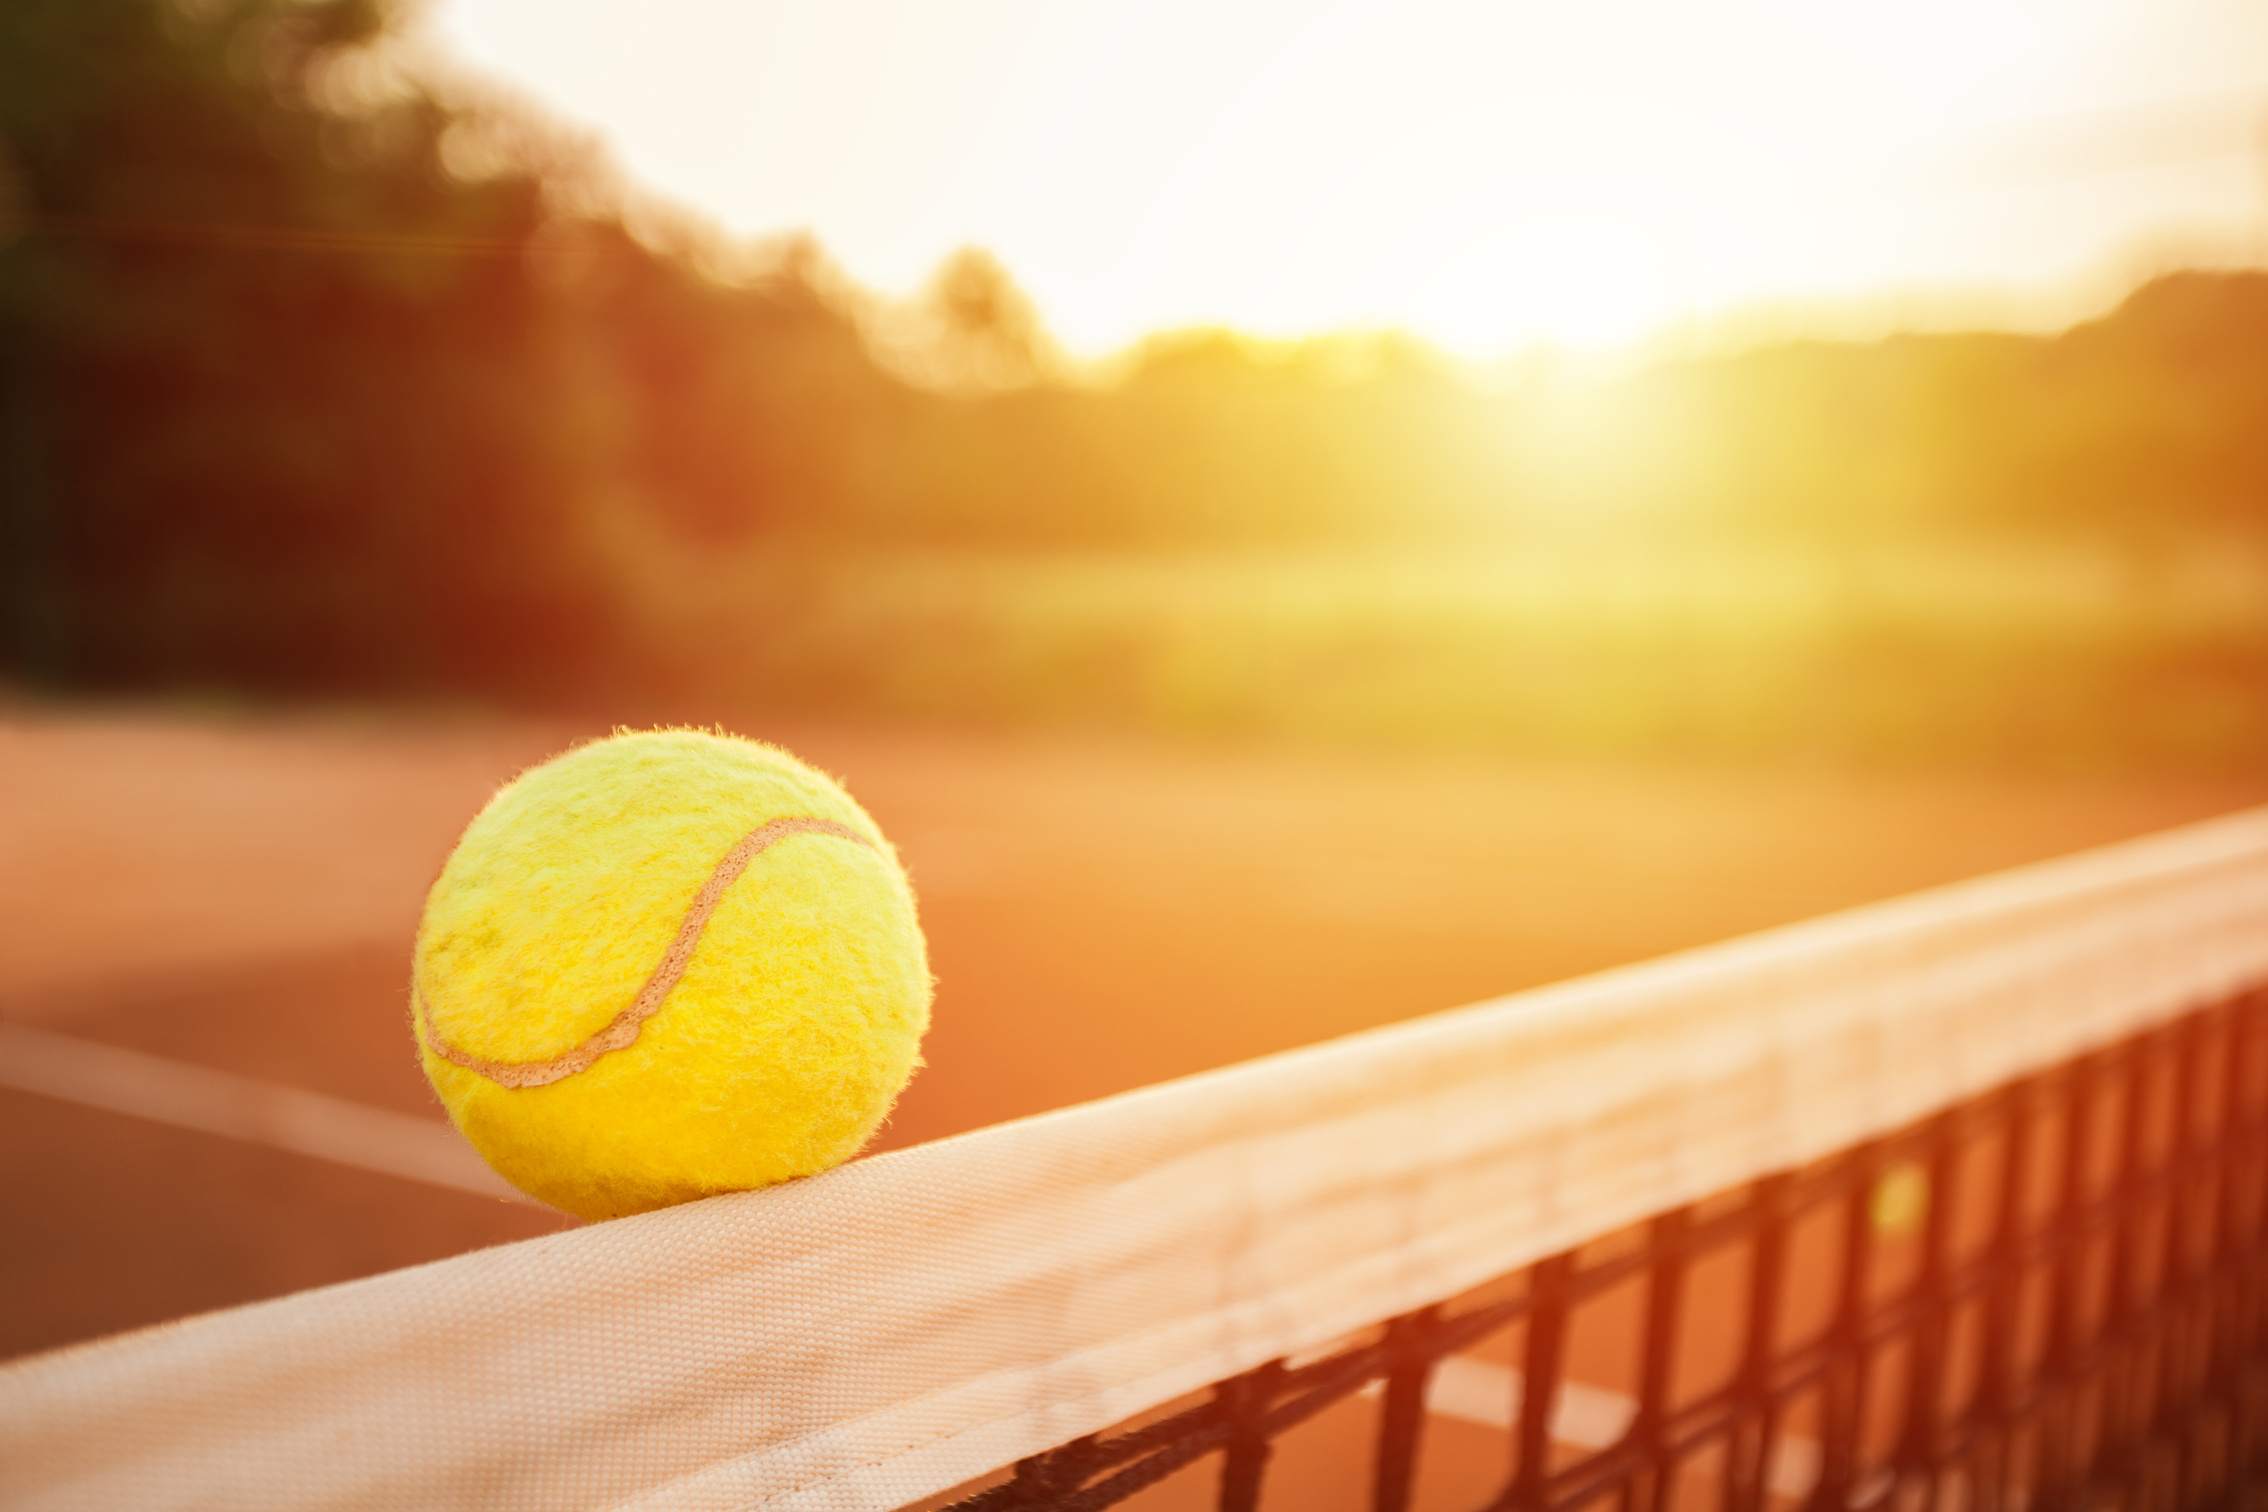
(1489, 176)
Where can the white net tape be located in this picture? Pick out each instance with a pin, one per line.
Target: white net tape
(872, 1336)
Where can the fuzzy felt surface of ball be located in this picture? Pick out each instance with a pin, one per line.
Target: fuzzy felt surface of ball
(665, 965)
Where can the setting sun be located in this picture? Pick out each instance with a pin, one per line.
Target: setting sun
(1487, 176)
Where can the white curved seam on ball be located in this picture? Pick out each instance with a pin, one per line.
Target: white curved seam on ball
(621, 1031)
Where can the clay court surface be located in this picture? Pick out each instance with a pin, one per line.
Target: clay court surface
(240, 895)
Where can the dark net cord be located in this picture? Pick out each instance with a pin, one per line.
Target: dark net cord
(2054, 1295)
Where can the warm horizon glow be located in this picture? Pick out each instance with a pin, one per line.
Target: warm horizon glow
(1486, 176)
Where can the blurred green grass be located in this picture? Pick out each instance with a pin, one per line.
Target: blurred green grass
(2062, 652)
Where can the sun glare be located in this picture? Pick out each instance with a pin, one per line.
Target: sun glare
(1486, 175)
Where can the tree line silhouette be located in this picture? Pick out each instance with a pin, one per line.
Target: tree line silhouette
(315, 379)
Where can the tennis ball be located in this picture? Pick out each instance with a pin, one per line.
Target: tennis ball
(665, 965)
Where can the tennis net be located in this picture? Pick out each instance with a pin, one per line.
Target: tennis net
(1953, 1202)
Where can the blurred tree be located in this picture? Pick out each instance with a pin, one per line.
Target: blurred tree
(970, 331)
(283, 360)
(989, 328)
(315, 380)
(746, 409)
(2152, 418)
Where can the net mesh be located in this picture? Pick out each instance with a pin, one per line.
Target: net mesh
(2049, 1295)
(1962, 1194)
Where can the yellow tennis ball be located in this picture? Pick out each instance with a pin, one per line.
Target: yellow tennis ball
(666, 965)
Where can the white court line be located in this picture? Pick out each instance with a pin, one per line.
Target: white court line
(238, 1107)
(1588, 1417)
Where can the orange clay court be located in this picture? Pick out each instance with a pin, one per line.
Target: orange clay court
(240, 895)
